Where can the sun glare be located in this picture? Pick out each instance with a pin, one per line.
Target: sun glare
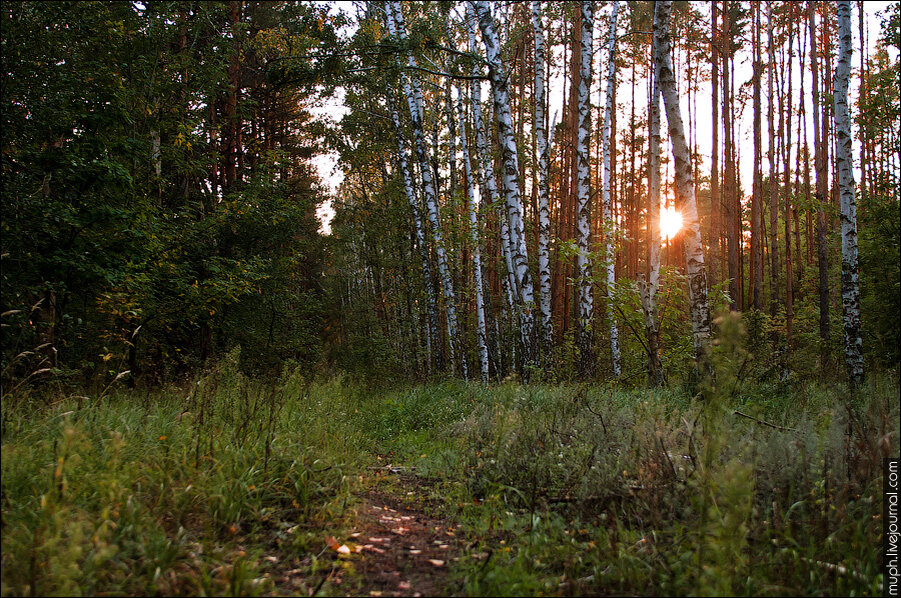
(670, 222)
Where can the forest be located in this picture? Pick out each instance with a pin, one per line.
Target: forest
(465, 298)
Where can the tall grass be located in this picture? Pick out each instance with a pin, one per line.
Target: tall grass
(559, 489)
(175, 494)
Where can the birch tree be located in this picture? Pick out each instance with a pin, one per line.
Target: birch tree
(431, 304)
(685, 191)
(473, 195)
(413, 93)
(544, 213)
(498, 75)
(610, 254)
(484, 170)
(843, 153)
(585, 300)
(649, 295)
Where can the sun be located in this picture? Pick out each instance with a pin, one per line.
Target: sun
(670, 222)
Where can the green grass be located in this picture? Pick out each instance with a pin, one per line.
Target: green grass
(559, 489)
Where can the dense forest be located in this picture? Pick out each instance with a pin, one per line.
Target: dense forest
(609, 293)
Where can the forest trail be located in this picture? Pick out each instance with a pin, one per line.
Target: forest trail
(405, 550)
(398, 545)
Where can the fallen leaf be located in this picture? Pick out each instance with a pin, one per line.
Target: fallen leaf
(437, 562)
(332, 543)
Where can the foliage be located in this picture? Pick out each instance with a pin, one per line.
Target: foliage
(138, 229)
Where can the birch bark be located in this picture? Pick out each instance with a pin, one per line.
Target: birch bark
(544, 213)
(843, 155)
(431, 304)
(498, 75)
(473, 194)
(583, 198)
(413, 93)
(605, 190)
(685, 191)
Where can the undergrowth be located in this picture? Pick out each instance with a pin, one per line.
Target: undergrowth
(563, 489)
(180, 491)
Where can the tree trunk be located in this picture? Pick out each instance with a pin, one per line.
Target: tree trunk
(649, 296)
(756, 197)
(544, 214)
(498, 75)
(774, 178)
(843, 147)
(733, 211)
(473, 195)
(610, 257)
(785, 133)
(414, 99)
(431, 341)
(583, 208)
(822, 184)
(715, 200)
(685, 192)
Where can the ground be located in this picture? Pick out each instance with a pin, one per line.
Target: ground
(397, 544)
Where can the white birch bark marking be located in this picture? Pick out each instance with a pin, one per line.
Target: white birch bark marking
(420, 233)
(843, 155)
(484, 169)
(685, 190)
(605, 192)
(473, 193)
(413, 93)
(544, 213)
(583, 197)
(498, 75)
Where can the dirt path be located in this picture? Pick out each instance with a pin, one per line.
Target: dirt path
(404, 551)
(398, 545)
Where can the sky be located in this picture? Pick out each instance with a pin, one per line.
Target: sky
(333, 108)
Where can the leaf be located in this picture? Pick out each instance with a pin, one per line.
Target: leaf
(437, 562)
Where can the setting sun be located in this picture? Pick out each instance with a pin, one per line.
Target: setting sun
(670, 222)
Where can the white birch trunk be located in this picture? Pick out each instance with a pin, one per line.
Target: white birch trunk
(843, 155)
(583, 198)
(685, 189)
(473, 193)
(498, 75)
(610, 257)
(649, 292)
(488, 181)
(420, 234)
(544, 213)
(413, 93)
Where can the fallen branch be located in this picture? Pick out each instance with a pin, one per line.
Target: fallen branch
(765, 423)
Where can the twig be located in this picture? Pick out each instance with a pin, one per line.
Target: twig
(765, 423)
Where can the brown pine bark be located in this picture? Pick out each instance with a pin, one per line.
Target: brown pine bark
(822, 183)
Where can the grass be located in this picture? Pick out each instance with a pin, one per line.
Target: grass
(229, 486)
